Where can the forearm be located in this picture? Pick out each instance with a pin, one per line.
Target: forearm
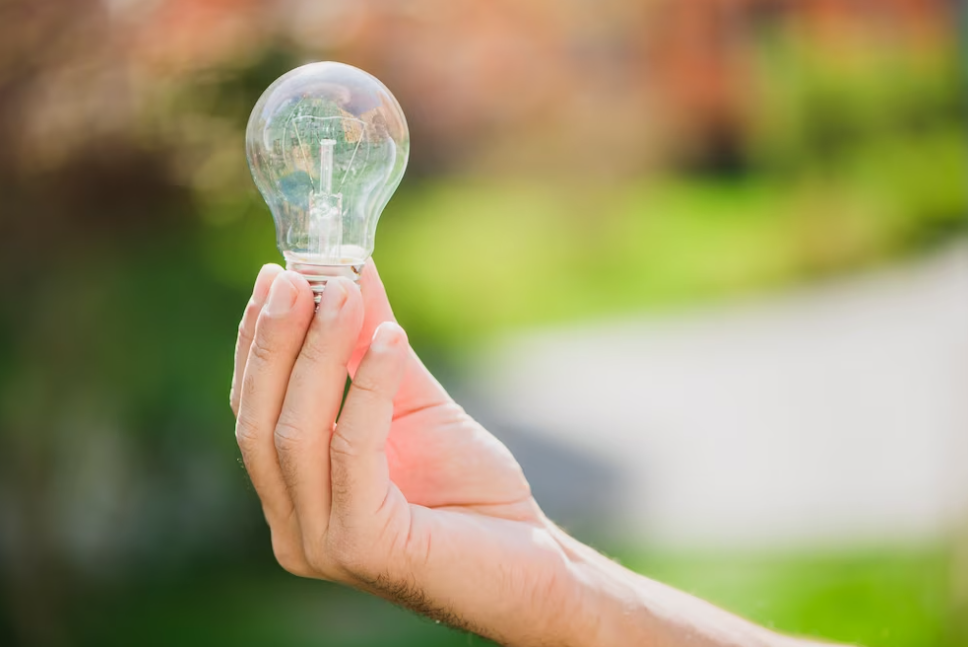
(623, 608)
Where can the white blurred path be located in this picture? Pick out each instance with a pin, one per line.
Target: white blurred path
(836, 413)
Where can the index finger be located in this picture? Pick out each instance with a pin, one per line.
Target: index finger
(260, 291)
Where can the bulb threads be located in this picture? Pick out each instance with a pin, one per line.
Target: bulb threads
(318, 272)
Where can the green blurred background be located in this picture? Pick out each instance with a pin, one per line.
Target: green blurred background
(571, 161)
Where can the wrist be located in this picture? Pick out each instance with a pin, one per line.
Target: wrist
(609, 608)
(616, 606)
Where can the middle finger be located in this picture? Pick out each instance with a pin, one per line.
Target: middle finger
(279, 335)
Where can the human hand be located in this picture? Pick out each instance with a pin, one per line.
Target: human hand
(401, 493)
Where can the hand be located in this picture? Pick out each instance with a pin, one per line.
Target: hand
(404, 495)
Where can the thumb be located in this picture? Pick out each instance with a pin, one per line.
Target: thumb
(419, 389)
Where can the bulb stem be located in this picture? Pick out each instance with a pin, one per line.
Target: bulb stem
(326, 209)
(326, 147)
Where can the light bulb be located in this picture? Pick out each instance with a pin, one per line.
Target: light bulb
(327, 145)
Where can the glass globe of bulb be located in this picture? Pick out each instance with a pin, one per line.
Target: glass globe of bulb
(327, 145)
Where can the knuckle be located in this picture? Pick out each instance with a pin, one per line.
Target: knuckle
(369, 387)
(288, 434)
(340, 444)
(261, 350)
(245, 433)
(289, 557)
(315, 348)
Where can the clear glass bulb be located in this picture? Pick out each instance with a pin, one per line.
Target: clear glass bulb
(327, 145)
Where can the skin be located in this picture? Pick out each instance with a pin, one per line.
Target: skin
(405, 496)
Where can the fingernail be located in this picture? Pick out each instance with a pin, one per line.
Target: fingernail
(387, 335)
(334, 298)
(281, 296)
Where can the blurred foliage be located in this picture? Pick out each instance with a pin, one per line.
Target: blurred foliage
(887, 597)
(131, 234)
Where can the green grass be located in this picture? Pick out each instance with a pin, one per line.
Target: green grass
(885, 597)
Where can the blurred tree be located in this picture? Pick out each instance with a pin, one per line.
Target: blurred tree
(91, 216)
